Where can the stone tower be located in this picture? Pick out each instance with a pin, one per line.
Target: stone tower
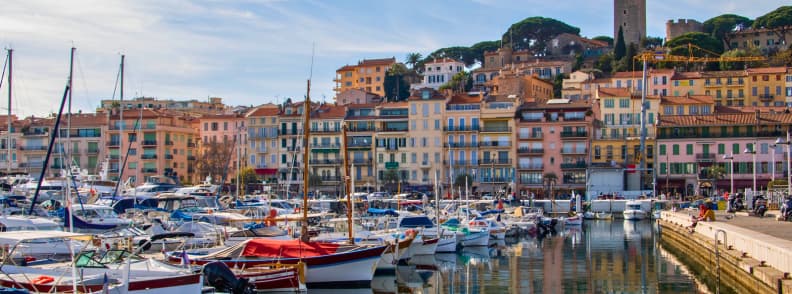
(631, 16)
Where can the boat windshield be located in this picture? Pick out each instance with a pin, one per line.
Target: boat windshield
(634, 206)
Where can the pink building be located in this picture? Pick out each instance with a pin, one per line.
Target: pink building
(691, 145)
(227, 130)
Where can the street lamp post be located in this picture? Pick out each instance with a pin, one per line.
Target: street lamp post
(788, 144)
(752, 151)
(772, 160)
(730, 158)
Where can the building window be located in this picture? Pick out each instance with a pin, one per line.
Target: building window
(662, 149)
(675, 149)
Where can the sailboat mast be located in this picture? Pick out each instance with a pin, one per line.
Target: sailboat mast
(67, 155)
(306, 150)
(347, 178)
(8, 141)
(120, 124)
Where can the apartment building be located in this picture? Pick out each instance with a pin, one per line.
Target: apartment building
(264, 144)
(213, 105)
(326, 161)
(79, 143)
(394, 164)
(497, 150)
(9, 159)
(157, 142)
(361, 122)
(461, 138)
(367, 75)
(553, 146)
(437, 72)
(427, 109)
(225, 134)
(291, 137)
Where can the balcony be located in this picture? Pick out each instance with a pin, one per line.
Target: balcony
(392, 130)
(190, 170)
(114, 156)
(325, 131)
(496, 129)
(148, 156)
(499, 161)
(149, 142)
(495, 179)
(293, 148)
(33, 148)
(113, 144)
(425, 163)
(113, 170)
(57, 165)
(35, 132)
(190, 157)
(327, 179)
(149, 170)
(531, 166)
(31, 164)
(169, 156)
(461, 128)
(168, 143)
(325, 146)
(362, 129)
(523, 150)
(495, 144)
(92, 150)
(462, 145)
(531, 136)
(574, 165)
(361, 161)
(366, 145)
(391, 148)
(531, 182)
(326, 161)
(459, 162)
(190, 145)
(705, 157)
(574, 134)
(766, 97)
(573, 151)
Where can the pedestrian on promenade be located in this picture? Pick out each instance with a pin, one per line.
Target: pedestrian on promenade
(705, 214)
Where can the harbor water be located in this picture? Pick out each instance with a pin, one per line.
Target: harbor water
(598, 257)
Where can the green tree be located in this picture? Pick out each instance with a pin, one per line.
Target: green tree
(460, 82)
(396, 87)
(460, 180)
(460, 53)
(604, 63)
(780, 20)
(413, 59)
(651, 42)
(246, 176)
(711, 46)
(620, 48)
(558, 85)
(535, 32)
(737, 65)
(782, 58)
(578, 62)
(391, 178)
(214, 159)
(606, 39)
(478, 49)
(720, 26)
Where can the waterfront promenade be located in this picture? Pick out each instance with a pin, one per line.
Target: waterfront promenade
(752, 251)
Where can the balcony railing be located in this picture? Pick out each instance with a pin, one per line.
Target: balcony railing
(190, 157)
(705, 157)
(531, 166)
(496, 129)
(149, 142)
(326, 146)
(169, 143)
(459, 162)
(149, 170)
(495, 144)
(536, 135)
(371, 129)
(425, 163)
(495, 179)
(531, 182)
(523, 150)
(92, 150)
(361, 161)
(766, 97)
(462, 145)
(495, 161)
(169, 156)
(573, 151)
(573, 165)
(359, 145)
(392, 148)
(461, 128)
(574, 134)
(148, 156)
(190, 145)
(33, 148)
(330, 179)
(293, 148)
(393, 130)
(329, 130)
(326, 161)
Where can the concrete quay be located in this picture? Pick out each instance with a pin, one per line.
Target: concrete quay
(753, 255)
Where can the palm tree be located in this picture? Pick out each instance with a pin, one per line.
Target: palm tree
(413, 59)
(397, 70)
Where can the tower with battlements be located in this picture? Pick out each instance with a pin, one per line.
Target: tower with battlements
(630, 15)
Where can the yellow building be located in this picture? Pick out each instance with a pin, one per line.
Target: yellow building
(497, 151)
(461, 136)
(617, 141)
(395, 162)
(263, 123)
(683, 83)
(427, 108)
(766, 86)
(686, 105)
(728, 88)
(368, 75)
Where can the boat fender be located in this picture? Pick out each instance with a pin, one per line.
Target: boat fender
(40, 280)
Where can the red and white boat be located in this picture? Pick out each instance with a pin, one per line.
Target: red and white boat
(327, 264)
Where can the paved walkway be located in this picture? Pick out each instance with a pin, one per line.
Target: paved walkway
(766, 225)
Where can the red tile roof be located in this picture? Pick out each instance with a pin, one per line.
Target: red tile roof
(328, 111)
(441, 60)
(374, 62)
(766, 70)
(614, 92)
(627, 74)
(686, 75)
(265, 111)
(686, 100)
(724, 119)
(464, 99)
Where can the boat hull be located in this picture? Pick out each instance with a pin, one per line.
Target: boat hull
(475, 239)
(634, 215)
(447, 244)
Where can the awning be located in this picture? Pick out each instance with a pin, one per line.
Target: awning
(266, 171)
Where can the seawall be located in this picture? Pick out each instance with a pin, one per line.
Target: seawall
(745, 261)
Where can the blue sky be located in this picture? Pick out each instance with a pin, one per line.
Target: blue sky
(259, 51)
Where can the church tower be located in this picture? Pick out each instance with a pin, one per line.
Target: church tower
(630, 15)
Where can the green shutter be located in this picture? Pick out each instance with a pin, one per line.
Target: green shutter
(689, 149)
(736, 148)
(663, 149)
(675, 149)
(721, 148)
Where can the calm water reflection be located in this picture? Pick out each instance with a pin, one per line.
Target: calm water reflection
(599, 257)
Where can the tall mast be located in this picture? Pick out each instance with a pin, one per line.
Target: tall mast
(8, 141)
(348, 191)
(121, 120)
(66, 154)
(306, 150)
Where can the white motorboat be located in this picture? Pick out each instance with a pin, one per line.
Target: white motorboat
(633, 211)
(574, 220)
(38, 248)
(603, 215)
